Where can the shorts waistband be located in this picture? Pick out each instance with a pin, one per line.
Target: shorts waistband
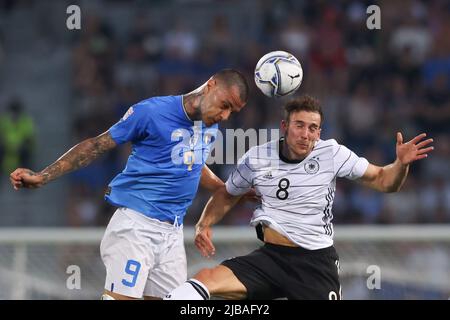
(299, 250)
(168, 225)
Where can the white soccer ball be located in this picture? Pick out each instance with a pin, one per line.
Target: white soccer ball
(278, 74)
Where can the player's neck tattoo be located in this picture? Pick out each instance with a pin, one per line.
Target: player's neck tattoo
(197, 115)
(191, 105)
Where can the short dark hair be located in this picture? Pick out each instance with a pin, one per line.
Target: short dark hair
(232, 77)
(303, 103)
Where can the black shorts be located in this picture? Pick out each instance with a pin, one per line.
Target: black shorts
(274, 271)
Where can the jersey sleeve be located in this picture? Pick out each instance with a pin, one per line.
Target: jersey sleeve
(132, 126)
(240, 180)
(347, 164)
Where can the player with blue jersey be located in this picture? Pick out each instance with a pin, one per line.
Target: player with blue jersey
(169, 152)
(143, 247)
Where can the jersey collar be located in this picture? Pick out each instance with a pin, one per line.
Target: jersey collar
(184, 109)
(280, 153)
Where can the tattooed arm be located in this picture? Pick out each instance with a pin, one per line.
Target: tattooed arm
(77, 157)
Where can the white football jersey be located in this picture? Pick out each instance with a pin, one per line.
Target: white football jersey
(297, 197)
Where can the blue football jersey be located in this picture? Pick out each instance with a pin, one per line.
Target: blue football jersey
(169, 150)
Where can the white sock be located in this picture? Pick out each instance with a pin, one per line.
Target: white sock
(190, 290)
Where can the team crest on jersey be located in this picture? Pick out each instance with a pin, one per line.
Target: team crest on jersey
(207, 138)
(128, 113)
(312, 166)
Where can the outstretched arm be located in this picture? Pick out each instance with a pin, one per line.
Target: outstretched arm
(390, 178)
(216, 208)
(77, 157)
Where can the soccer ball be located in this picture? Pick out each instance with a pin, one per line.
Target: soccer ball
(278, 74)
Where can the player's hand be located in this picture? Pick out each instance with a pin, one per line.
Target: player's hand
(25, 178)
(203, 241)
(250, 196)
(413, 150)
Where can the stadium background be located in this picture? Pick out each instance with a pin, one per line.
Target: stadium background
(65, 86)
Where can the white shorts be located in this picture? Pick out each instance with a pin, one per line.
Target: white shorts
(142, 256)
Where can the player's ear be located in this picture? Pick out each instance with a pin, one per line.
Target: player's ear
(211, 83)
(318, 136)
(283, 126)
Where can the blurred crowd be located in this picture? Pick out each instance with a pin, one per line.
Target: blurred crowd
(371, 83)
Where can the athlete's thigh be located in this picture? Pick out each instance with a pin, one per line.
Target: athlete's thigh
(258, 273)
(170, 268)
(126, 256)
(221, 282)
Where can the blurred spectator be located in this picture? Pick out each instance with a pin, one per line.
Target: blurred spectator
(435, 202)
(363, 115)
(403, 207)
(435, 109)
(221, 38)
(295, 37)
(438, 166)
(180, 41)
(16, 138)
(367, 203)
(2, 50)
(413, 37)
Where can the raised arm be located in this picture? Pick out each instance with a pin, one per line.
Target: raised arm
(390, 178)
(216, 208)
(77, 157)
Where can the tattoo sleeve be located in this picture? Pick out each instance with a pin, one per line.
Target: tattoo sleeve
(79, 156)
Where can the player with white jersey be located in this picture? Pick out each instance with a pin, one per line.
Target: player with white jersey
(296, 179)
(297, 196)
